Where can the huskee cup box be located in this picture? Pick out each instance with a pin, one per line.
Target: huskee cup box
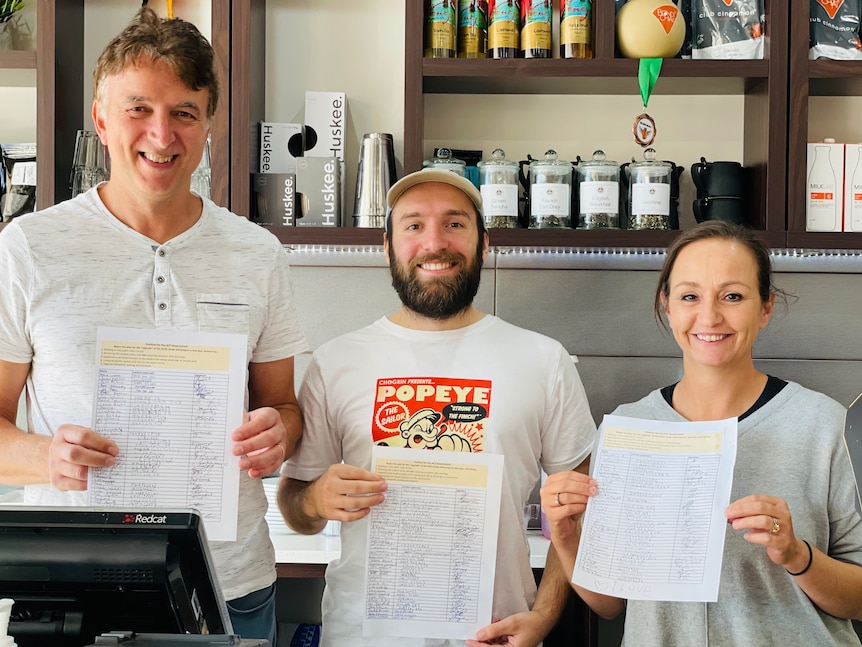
(274, 199)
(318, 187)
(824, 188)
(280, 145)
(326, 117)
(326, 129)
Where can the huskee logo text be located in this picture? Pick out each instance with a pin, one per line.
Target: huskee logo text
(287, 201)
(336, 128)
(266, 158)
(328, 192)
(141, 518)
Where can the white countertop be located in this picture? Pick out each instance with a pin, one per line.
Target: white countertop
(293, 548)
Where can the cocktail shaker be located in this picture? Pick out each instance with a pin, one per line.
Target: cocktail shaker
(375, 175)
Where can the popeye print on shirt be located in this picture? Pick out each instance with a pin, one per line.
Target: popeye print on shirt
(448, 414)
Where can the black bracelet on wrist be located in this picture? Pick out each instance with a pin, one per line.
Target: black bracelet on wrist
(807, 566)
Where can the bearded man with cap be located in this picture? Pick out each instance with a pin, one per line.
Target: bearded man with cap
(533, 411)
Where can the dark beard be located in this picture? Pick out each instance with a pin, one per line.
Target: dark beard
(441, 298)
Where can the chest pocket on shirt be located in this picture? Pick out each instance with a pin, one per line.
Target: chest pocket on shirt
(223, 313)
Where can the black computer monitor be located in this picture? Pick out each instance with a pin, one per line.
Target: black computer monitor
(75, 573)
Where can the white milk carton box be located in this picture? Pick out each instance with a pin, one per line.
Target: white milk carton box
(280, 145)
(326, 116)
(824, 186)
(853, 187)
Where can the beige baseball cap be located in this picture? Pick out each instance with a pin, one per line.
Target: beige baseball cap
(434, 175)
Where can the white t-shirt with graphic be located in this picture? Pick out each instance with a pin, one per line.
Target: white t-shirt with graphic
(489, 387)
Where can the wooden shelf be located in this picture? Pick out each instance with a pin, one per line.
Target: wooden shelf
(824, 67)
(576, 238)
(828, 78)
(821, 240)
(17, 60)
(590, 76)
(337, 236)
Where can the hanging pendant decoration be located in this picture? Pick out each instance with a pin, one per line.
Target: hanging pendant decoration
(644, 129)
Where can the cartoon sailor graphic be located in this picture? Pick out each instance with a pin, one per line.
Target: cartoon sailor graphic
(420, 431)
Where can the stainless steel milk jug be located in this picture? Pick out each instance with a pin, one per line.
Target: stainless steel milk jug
(375, 175)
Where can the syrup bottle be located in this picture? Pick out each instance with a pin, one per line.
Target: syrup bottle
(536, 28)
(441, 23)
(472, 28)
(575, 28)
(504, 18)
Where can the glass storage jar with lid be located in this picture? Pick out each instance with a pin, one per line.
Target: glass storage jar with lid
(649, 192)
(498, 182)
(550, 192)
(444, 161)
(599, 193)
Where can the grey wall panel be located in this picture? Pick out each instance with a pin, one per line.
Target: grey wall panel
(609, 313)
(606, 312)
(611, 381)
(336, 300)
(837, 379)
(822, 321)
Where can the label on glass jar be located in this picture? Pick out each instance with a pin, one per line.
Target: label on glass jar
(650, 199)
(550, 200)
(499, 199)
(600, 197)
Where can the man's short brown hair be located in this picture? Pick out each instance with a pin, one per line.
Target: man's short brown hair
(174, 41)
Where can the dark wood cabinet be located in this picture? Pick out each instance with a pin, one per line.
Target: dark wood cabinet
(58, 62)
(762, 83)
(775, 91)
(809, 78)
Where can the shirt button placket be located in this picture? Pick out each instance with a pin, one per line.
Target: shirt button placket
(162, 289)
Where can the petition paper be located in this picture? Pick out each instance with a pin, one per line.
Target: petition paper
(655, 530)
(170, 400)
(432, 544)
